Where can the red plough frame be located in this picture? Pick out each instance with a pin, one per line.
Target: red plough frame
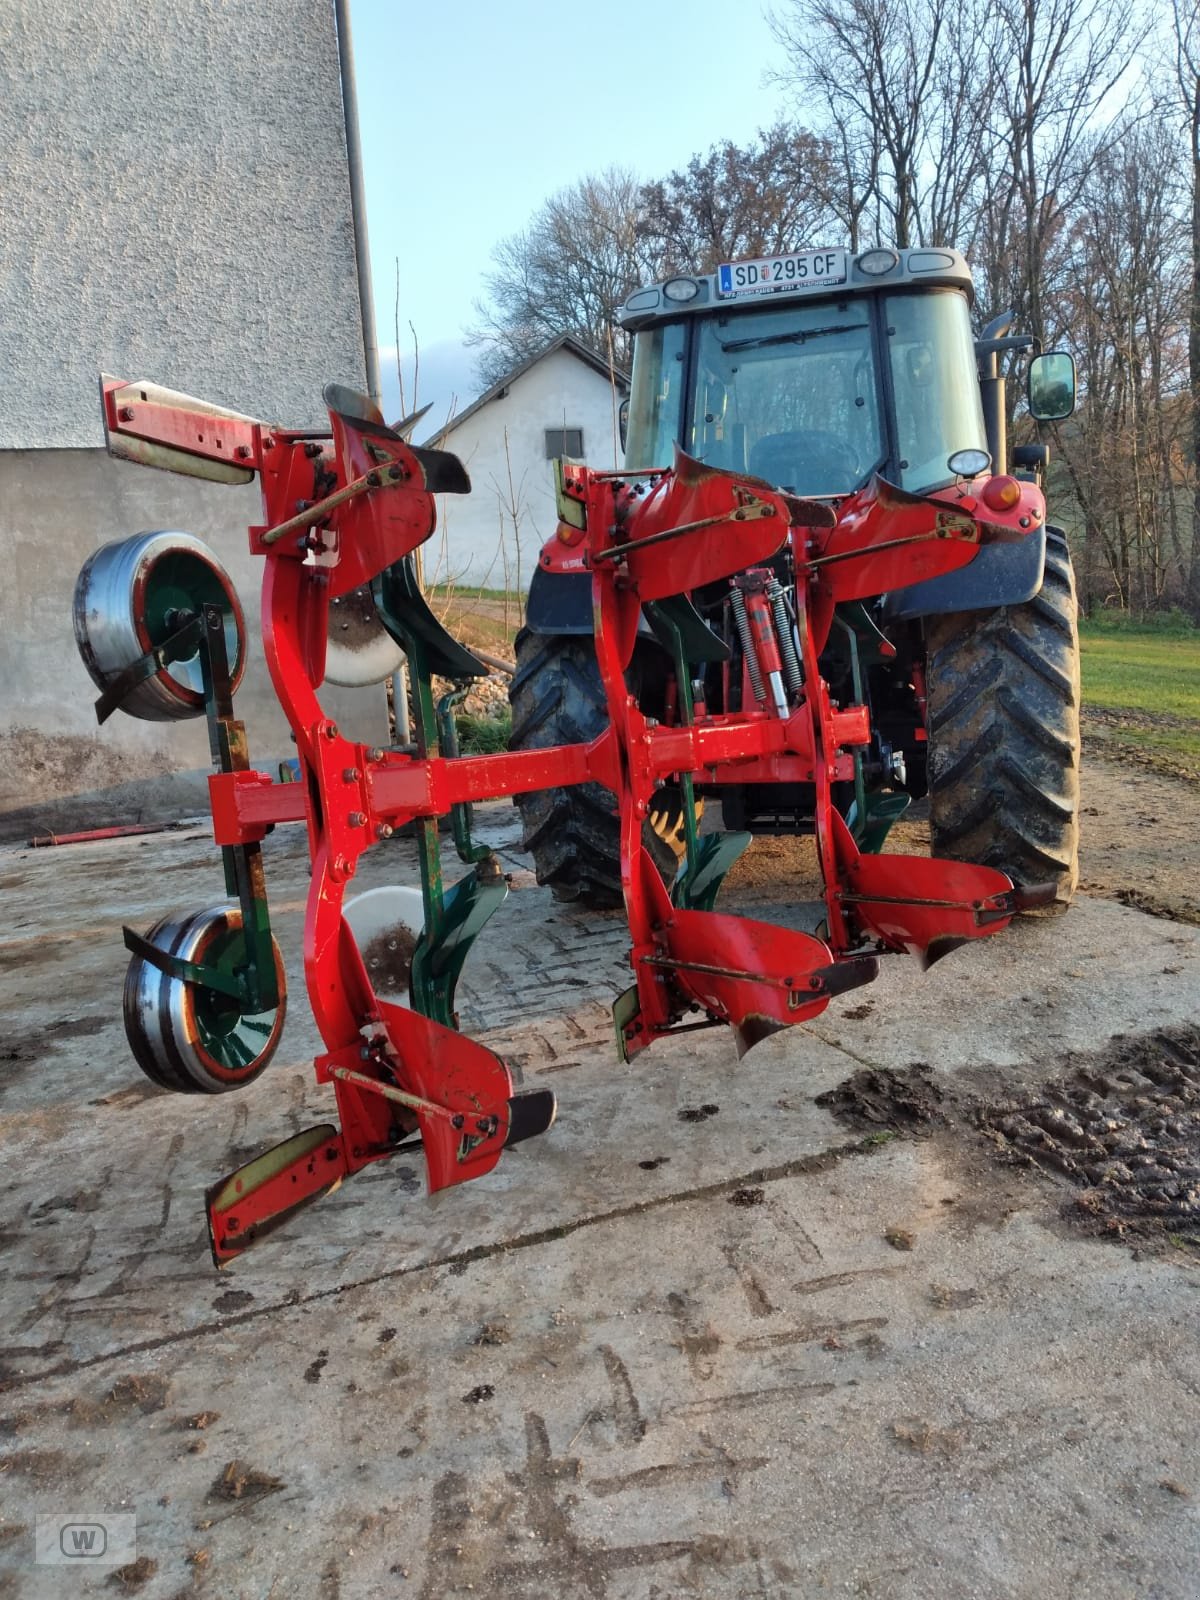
(341, 508)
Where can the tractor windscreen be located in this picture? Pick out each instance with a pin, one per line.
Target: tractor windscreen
(938, 411)
(789, 394)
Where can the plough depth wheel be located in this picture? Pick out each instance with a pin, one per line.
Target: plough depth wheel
(130, 597)
(188, 1037)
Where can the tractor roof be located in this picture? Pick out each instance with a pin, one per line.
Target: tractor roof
(828, 273)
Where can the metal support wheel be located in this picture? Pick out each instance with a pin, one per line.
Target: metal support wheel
(190, 1038)
(131, 596)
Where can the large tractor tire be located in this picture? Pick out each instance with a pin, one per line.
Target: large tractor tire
(1003, 698)
(573, 833)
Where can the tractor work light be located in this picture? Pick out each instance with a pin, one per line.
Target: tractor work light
(969, 463)
(681, 289)
(875, 263)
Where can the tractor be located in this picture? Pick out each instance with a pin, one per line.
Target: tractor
(820, 373)
(823, 603)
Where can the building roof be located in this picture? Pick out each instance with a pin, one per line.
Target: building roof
(565, 341)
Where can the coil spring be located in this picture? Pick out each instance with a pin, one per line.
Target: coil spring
(792, 676)
(742, 622)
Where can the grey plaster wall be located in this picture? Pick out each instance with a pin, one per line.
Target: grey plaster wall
(57, 769)
(176, 207)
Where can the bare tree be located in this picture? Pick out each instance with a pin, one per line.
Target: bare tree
(566, 273)
(895, 86)
(1125, 315)
(1054, 64)
(1187, 78)
(762, 199)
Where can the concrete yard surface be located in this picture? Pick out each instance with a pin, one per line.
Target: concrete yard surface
(705, 1338)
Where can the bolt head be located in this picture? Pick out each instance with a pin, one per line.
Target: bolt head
(384, 830)
(330, 730)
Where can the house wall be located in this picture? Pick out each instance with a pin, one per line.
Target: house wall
(58, 770)
(503, 447)
(177, 208)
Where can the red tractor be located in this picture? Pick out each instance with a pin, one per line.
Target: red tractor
(778, 623)
(818, 373)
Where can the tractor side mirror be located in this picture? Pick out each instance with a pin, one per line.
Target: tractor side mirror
(623, 422)
(1051, 386)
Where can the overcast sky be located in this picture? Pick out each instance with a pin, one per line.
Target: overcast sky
(473, 112)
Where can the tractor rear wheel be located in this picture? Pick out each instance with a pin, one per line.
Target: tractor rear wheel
(1003, 699)
(573, 833)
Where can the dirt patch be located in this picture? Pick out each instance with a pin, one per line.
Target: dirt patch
(135, 1393)
(915, 1433)
(388, 959)
(877, 1098)
(201, 1419)
(133, 1575)
(1103, 727)
(1173, 910)
(1121, 1127)
(492, 1333)
(1139, 844)
(698, 1113)
(31, 1046)
(238, 1480)
(1125, 1130)
(21, 1051)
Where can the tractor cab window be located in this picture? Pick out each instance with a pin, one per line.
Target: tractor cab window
(656, 397)
(938, 411)
(789, 394)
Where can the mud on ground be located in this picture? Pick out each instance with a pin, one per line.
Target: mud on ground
(1139, 844)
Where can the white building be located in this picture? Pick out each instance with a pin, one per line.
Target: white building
(563, 401)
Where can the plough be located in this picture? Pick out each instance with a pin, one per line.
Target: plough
(162, 633)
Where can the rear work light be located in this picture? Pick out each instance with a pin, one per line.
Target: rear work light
(1001, 493)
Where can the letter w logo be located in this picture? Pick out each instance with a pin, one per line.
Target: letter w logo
(83, 1539)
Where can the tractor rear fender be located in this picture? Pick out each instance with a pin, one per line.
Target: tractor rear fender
(561, 603)
(1000, 575)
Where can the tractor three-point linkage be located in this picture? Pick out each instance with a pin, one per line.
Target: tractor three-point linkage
(161, 631)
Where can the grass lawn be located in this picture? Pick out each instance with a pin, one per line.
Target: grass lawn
(1144, 684)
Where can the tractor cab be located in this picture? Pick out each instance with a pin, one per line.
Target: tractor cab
(856, 380)
(814, 371)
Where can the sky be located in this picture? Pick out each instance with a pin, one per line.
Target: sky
(473, 113)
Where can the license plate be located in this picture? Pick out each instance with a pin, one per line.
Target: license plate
(804, 269)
